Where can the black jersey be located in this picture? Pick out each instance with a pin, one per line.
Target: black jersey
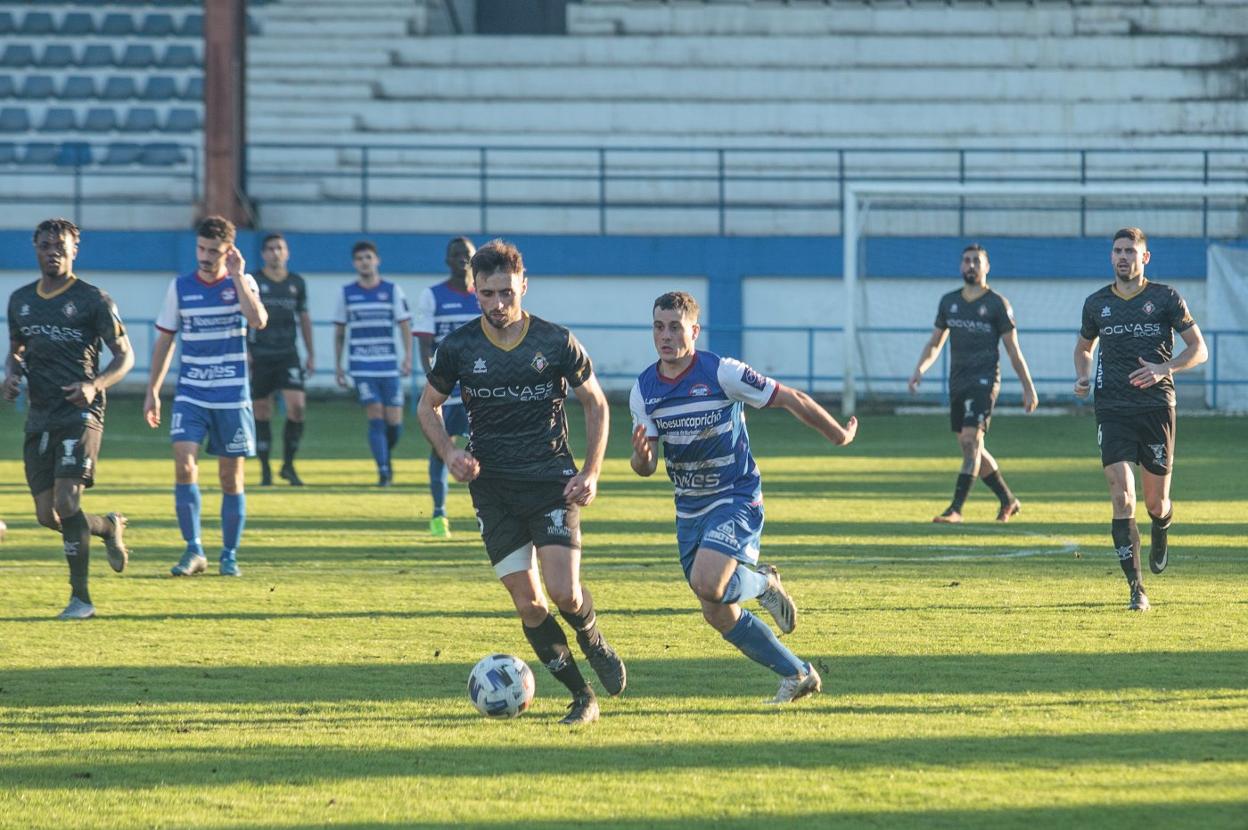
(975, 330)
(1130, 329)
(285, 300)
(61, 335)
(517, 427)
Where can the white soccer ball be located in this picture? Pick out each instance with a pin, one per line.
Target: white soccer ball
(501, 686)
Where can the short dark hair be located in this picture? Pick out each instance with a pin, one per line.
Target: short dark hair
(269, 238)
(497, 255)
(975, 246)
(216, 227)
(364, 245)
(60, 227)
(681, 301)
(462, 240)
(1136, 235)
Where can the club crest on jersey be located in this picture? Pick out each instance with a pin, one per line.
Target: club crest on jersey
(228, 294)
(25, 311)
(1149, 307)
(539, 362)
(478, 366)
(953, 308)
(700, 390)
(1105, 311)
(70, 309)
(264, 288)
(383, 296)
(983, 311)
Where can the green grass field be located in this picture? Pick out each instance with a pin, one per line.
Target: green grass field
(976, 676)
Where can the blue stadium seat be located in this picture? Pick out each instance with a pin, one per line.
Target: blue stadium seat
(7, 24)
(124, 152)
(179, 56)
(78, 88)
(192, 25)
(57, 56)
(59, 120)
(157, 25)
(77, 23)
(99, 120)
(119, 88)
(37, 23)
(159, 88)
(18, 55)
(98, 55)
(137, 56)
(162, 155)
(117, 25)
(73, 154)
(37, 88)
(14, 120)
(182, 120)
(140, 120)
(39, 153)
(8, 153)
(194, 90)
(7, 88)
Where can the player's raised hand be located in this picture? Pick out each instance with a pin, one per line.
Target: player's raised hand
(581, 488)
(151, 409)
(1082, 387)
(643, 448)
(235, 265)
(1149, 374)
(463, 465)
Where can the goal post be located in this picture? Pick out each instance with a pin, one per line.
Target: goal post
(860, 195)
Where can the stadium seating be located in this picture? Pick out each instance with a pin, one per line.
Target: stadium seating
(59, 120)
(78, 88)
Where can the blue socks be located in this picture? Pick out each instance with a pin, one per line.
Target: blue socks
(377, 444)
(233, 517)
(438, 484)
(187, 503)
(758, 642)
(744, 584)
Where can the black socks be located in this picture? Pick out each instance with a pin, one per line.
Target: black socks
(1127, 545)
(264, 441)
(585, 624)
(76, 535)
(292, 434)
(551, 647)
(997, 485)
(965, 480)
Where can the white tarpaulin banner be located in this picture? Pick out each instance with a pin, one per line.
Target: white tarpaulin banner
(1226, 327)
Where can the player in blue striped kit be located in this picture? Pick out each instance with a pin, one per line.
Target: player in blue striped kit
(210, 309)
(368, 310)
(441, 309)
(692, 401)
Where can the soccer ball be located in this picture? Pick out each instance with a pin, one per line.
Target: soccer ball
(501, 686)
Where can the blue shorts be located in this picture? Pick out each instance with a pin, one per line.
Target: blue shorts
(455, 419)
(385, 391)
(231, 432)
(734, 529)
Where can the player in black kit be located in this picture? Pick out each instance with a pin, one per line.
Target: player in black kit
(1133, 319)
(56, 326)
(514, 370)
(978, 318)
(275, 357)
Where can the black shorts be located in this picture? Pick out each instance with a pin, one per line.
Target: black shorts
(971, 407)
(62, 452)
(1145, 438)
(269, 373)
(513, 514)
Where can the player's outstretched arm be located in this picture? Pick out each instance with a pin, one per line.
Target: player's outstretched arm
(1083, 366)
(1015, 351)
(930, 349)
(808, 411)
(460, 462)
(162, 354)
(583, 486)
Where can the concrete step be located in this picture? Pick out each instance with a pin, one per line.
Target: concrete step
(347, 28)
(331, 94)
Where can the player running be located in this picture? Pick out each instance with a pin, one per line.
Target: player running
(692, 402)
(1133, 319)
(274, 358)
(514, 370)
(441, 309)
(368, 310)
(56, 326)
(978, 318)
(211, 307)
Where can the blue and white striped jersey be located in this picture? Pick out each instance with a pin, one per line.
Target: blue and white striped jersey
(212, 370)
(370, 315)
(440, 310)
(699, 418)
